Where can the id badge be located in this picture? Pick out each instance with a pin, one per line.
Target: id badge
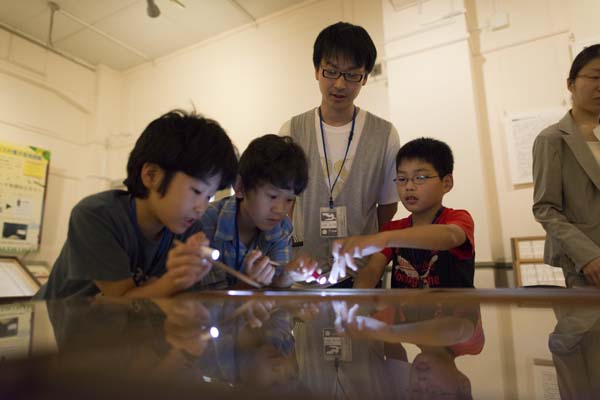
(333, 222)
(335, 346)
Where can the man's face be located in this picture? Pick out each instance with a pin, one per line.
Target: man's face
(338, 94)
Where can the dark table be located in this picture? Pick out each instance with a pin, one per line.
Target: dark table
(344, 344)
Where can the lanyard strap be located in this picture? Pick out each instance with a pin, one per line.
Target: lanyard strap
(164, 240)
(345, 154)
(238, 263)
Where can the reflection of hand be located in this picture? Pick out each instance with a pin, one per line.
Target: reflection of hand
(357, 326)
(301, 268)
(591, 271)
(186, 325)
(257, 311)
(305, 311)
(257, 267)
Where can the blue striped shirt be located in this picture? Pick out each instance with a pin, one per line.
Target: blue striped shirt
(218, 224)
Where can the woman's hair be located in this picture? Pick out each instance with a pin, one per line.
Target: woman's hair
(583, 58)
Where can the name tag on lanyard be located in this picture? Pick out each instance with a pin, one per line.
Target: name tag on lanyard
(333, 222)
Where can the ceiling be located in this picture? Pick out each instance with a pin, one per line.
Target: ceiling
(120, 32)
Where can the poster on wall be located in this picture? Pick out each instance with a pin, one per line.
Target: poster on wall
(23, 180)
(521, 130)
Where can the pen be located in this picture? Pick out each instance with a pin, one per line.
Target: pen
(207, 252)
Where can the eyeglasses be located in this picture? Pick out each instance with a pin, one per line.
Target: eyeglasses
(417, 179)
(331, 73)
(594, 78)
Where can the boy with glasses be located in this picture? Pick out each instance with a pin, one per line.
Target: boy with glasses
(434, 246)
(350, 151)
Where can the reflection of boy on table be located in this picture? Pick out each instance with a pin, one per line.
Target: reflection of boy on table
(442, 333)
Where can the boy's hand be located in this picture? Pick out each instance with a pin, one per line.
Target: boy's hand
(257, 267)
(345, 250)
(186, 263)
(301, 268)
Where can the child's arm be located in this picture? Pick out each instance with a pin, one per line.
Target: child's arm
(370, 274)
(442, 331)
(186, 265)
(298, 270)
(431, 237)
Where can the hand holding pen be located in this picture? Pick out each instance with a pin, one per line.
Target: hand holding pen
(187, 263)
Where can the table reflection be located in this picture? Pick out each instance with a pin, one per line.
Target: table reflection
(374, 344)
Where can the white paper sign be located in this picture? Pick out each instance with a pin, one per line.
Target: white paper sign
(521, 131)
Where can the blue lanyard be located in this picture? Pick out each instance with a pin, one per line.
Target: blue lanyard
(350, 136)
(238, 263)
(165, 239)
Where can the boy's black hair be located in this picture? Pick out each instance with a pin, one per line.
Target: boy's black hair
(345, 41)
(179, 141)
(273, 159)
(432, 151)
(583, 58)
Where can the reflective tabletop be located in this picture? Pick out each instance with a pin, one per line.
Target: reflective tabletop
(330, 344)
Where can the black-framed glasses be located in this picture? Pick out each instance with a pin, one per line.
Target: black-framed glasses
(331, 73)
(417, 179)
(594, 78)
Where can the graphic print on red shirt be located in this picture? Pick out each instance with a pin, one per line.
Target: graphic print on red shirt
(419, 268)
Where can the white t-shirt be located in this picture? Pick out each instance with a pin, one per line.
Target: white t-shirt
(336, 141)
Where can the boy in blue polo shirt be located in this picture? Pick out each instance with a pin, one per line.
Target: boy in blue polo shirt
(252, 228)
(120, 243)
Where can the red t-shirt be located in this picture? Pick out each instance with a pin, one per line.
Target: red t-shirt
(416, 268)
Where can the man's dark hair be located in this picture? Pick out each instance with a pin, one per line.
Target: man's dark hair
(184, 142)
(583, 58)
(273, 159)
(432, 151)
(345, 41)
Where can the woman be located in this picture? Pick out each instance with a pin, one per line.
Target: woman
(566, 172)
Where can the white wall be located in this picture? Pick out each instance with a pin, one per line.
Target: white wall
(456, 78)
(251, 80)
(431, 94)
(51, 102)
(453, 78)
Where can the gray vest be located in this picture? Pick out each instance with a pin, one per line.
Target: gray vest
(359, 193)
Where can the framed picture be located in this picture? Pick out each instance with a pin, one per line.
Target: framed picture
(15, 279)
(529, 266)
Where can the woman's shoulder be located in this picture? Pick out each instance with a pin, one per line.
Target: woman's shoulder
(551, 131)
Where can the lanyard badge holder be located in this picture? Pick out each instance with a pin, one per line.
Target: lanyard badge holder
(332, 219)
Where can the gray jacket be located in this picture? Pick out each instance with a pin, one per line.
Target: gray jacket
(566, 198)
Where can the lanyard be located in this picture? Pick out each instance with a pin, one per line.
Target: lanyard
(238, 263)
(164, 240)
(345, 154)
